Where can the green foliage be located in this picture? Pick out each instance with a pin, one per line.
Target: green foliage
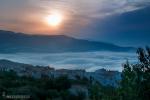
(69, 96)
(99, 92)
(39, 89)
(62, 83)
(52, 88)
(95, 92)
(135, 84)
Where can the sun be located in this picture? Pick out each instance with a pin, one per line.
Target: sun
(54, 19)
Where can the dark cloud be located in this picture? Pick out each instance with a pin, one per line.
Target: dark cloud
(131, 28)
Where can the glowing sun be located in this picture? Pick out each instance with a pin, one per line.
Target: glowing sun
(54, 19)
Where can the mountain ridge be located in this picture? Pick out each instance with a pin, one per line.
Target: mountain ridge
(21, 42)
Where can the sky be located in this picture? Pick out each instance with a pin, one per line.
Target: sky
(122, 22)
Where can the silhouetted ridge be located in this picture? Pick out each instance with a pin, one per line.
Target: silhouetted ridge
(18, 42)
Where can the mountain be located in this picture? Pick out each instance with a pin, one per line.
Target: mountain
(11, 42)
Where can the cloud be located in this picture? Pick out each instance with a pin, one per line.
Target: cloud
(90, 61)
(130, 28)
(96, 8)
(77, 11)
(80, 15)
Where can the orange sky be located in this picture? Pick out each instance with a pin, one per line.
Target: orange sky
(28, 15)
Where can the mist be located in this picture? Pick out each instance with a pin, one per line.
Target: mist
(90, 61)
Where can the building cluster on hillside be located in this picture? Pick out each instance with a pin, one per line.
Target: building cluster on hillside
(103, 76)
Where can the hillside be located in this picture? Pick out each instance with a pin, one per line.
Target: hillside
(102, 76)
(11, 42)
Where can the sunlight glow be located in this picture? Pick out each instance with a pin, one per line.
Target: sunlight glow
(54, 19)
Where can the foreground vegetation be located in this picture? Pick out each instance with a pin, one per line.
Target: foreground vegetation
(39, 89)
(135, 84)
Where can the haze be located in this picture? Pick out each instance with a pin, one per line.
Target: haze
(123, 22)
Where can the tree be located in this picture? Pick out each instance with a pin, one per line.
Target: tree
(135, 83)
(95, 92)
(62, 83)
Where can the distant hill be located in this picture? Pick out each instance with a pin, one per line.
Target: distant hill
(11, 42)
(105, 77)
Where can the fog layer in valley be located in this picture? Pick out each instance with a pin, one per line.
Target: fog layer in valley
(90, 61)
